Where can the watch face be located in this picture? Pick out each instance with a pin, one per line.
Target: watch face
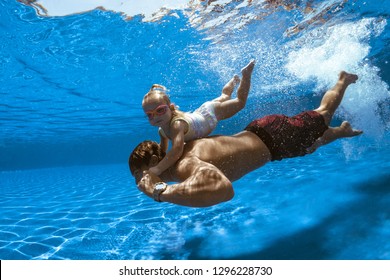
(158, 189)
(160, 186)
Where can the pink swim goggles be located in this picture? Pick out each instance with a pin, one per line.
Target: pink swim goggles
(159, 111)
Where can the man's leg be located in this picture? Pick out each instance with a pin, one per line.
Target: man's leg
(333, 133)
(332, 98)
(329, 103)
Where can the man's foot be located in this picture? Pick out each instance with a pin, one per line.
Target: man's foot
(247, 70)
(348, 131)
(348, 78)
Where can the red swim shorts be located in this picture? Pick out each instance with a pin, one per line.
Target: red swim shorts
(288, 137)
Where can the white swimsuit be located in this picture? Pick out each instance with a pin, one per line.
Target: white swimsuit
(201, 122)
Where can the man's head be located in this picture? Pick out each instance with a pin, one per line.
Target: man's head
(147, 154)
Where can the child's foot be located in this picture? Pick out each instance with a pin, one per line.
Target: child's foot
(236, 80)
(348, 131)
(229, 87)
(233, 82)
(247, 70)
(348, 78)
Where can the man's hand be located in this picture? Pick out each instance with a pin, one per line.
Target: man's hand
(146, 184)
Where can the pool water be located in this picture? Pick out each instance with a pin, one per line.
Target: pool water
(70, 115)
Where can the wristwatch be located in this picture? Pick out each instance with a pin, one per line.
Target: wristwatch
(159, 188)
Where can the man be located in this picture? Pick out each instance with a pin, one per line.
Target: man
(209, 165)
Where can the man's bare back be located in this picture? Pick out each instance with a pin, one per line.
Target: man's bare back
(234, 155)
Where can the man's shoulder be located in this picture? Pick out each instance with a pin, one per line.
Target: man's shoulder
(184, 167)
(187, 159)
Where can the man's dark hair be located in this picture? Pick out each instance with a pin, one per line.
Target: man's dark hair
(142, 154)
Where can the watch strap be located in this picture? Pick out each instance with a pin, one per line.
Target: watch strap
(159, 188)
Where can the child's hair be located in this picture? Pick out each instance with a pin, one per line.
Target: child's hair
(160, 90)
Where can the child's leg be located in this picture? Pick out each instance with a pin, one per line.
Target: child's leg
(333, 97)
(228, 108)
(228, 89)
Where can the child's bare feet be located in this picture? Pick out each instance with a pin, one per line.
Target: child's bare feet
(236, 79)
(247, 70)
(348, 78)
(348, 131)
(228, 88)
(233, 82)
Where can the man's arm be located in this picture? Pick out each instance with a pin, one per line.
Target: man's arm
(205, 186)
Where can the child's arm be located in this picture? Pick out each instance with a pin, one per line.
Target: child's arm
(177, 132)
(163, 141)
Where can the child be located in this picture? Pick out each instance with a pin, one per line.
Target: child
(181, 127)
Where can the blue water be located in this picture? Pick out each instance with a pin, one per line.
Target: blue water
(70, 113)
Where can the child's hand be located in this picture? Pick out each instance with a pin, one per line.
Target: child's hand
(155, 170)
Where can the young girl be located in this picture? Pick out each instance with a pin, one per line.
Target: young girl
(181, 127)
